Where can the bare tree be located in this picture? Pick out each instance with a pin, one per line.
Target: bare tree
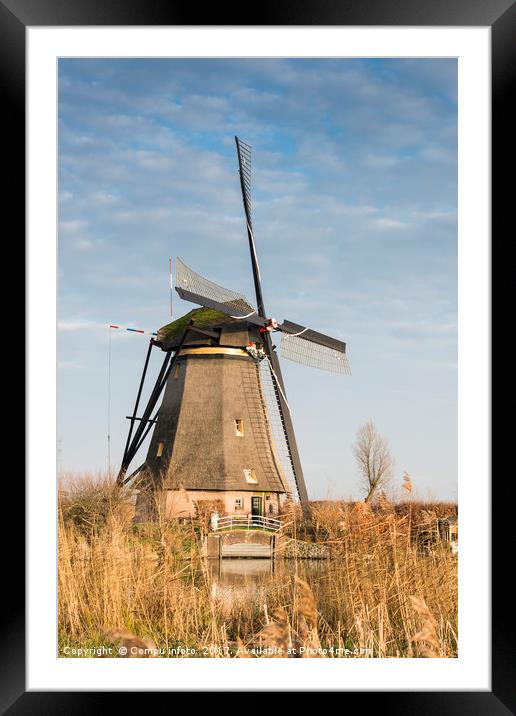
(374, 459)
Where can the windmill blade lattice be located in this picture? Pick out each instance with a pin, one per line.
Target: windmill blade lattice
(303, 350)
(244, 161)
(276, 426)
(197, 289)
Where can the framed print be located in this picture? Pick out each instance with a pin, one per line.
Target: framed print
(258, 353)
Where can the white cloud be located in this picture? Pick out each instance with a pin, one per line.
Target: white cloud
(72, 226)
(83, 244)
(71, 326)
(65, 364)
(388, 223)
(378, 161)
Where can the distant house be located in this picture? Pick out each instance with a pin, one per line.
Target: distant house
(448, 531)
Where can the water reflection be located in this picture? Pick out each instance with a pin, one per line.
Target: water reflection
(259, 572)
(234, 584)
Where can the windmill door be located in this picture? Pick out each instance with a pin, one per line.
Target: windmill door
(256, 506)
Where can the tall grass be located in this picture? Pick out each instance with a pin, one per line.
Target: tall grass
(382, 594)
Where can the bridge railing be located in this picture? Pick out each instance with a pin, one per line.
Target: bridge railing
(247, 522)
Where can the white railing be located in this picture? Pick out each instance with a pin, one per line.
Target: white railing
(247, 522)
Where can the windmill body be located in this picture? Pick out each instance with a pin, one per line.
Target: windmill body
(223, 436)
(212, 445)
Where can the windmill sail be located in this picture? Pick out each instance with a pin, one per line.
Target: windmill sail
(196, 288)
(300, 344)
(276, 426)
(313, 349)
(244, 162)
(281, 427)
(314, 355)
(244, 168)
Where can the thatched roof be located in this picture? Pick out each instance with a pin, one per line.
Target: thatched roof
(170, 334)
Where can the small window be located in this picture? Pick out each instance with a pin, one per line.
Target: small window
(250, 476)
(161, 447)
(239, 503)
(177, 370)
(239, 427)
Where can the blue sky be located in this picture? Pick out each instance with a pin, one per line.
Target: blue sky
(355, 217)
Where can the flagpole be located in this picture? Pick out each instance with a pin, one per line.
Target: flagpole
(171, 285)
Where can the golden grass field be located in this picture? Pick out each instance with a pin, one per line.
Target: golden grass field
(382, 594)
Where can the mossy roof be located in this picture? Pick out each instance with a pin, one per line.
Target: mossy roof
(170, 334)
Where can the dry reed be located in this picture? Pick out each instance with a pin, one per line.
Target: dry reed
(381, 594)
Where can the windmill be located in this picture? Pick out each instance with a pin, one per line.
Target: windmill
(224, 430)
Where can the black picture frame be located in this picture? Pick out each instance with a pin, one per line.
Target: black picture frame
(500, 15)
